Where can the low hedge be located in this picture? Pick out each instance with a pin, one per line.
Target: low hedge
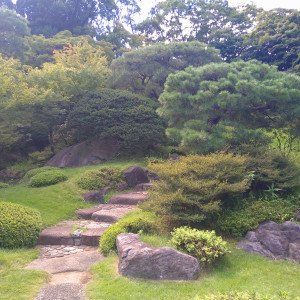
(204, 245)
(36, 171)
(101, 178)
(135, 223)
(19, 225)
(47, 178)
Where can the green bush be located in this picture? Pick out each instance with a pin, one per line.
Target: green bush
(192, 188)
(141, 222)
(98, 179)
(204, 245)
(19, 225)
(36, 171)
(252, 213)
(3, 185)
(47, 178)
(243, 296)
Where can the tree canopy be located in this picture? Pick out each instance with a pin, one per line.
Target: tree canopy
(144, 71)
(219, 104)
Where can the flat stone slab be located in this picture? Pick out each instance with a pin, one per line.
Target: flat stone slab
(64, 291)
(52, 251)
(56, 235)
(79, 262)
(144, 186)
(91, 237)
(111, 215)
(131, 198)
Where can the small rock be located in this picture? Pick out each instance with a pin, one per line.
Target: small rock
(122, 186)
(106, 190)
(297, 215)
(93, 196)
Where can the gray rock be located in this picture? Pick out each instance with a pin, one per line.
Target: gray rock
(144, 186)
(93, 196)
(85, 153)
(135, 175)
(106, 190)
(131, 198)
(138, 259)
(122, 186)
(275, 241)
(297, 216)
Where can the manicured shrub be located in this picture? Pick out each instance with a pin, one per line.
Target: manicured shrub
(36, 171)
(204, 245)
(192, 188)
(19, 225)
(3, 185)
(98, 179)
(142, 222)
(47, 178)
(252, 213)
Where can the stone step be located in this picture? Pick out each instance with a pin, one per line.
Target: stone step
(112, 215)
(87, 213)
(144, 187)
(131, 198)
(73, 233)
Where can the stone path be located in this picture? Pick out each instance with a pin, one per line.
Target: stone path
(70, 248)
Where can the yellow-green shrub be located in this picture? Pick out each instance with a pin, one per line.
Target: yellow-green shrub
(48, 178)
(192, 188)
(204, 245)
(19, 225)
(36, 171)
(3, 185)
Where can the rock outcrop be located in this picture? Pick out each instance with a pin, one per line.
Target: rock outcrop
(274, 241)
(85, 153)
(138, 259)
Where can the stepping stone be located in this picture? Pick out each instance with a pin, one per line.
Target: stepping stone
(56, 235)
(111, 215)
(144, 186)
(86, 213)
(91, 237)
(131, 198)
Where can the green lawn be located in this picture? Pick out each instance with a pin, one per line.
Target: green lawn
(238, 271)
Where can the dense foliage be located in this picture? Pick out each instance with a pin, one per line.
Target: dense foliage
(36, 171)
(145, 70)
(3, 185)
(145, 222)
(193, 188)
(204, 245)
(19, 225)
(215, 105)
(47, 178)
(99, 179)
(128, 117)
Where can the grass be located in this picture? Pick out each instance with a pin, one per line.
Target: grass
(238, 271)
(59, 202)
(15, 282)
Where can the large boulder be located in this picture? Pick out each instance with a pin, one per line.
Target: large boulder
(138, 259)
(85, 153)
(274, 241)
(135, 175)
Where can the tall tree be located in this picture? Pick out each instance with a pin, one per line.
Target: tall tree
(212, 22)
(50, 17)
(144, 71)
(13, 29)
(219, 104)
(276, 39)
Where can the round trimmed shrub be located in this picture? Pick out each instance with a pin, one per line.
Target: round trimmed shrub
(204, 245)
(3, 185)
(99, 179)
(47, 178)
(36, 171)
(132, 224)
(19, 225)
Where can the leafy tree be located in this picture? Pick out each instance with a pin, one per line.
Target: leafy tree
(13, 28)
(276, 39)
(219, 104)
(50, 17)
(125, 116)
(211, 22)
(144, 71)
